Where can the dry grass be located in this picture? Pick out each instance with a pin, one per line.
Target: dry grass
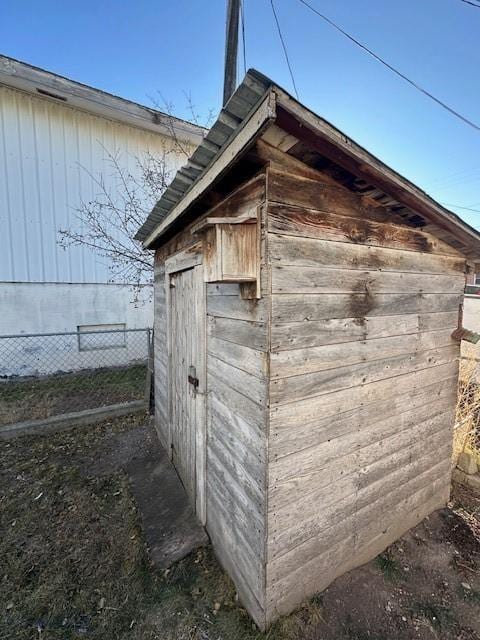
(73, 563)
(467, 419)
(38, 398)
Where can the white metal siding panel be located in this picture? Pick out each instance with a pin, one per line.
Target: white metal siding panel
(49, 154)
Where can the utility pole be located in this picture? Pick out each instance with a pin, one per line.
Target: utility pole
(231, 49)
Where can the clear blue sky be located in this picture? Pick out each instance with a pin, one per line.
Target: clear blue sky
(138, 49)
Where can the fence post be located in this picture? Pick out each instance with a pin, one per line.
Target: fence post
(149, 382)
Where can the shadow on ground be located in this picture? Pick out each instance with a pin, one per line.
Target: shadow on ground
(74, 564)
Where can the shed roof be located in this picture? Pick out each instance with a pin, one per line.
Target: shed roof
(259, 103)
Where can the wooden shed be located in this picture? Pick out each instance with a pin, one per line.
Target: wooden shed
(305, 374)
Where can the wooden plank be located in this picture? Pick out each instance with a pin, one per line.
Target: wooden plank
(239, 251)
(306, 414)
(221, 535)
(341, 554)
(247, 494)
(355, 225)
(307, 307)
(248, 385)
(311, 252)
(302, 335)
(287, 440)
(301, 387)
(251, 361)
(200, 356)
(237, 432)
(185, 259)
(210, 221)
(301, 279)
(373, 512)
(222, 289)
(332, 143)
(288, 188)
(245, 534)
(240, 332)
(287, 531)
(303, 361)
(280, 161)
(241, 405)
(293, 478)
(298, 522)
(235, 307)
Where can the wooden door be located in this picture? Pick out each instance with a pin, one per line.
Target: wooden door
(187, 380)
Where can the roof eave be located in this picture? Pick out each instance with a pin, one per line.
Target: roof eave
(357, 159)
(263, 115)
(50, 86)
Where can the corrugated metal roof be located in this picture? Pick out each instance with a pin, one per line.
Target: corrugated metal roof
(246, 97)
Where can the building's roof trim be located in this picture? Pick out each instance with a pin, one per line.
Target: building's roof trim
(44, 84)
(241, 113)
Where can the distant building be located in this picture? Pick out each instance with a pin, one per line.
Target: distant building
(54, 132)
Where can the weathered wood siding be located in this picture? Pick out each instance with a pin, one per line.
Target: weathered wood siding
(363, 382)
(160, 352)
(237, 380)
(236, 451)
(237, 412)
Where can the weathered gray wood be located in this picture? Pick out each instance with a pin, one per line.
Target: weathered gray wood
(187, 407)
(234, 307)
(349, 225)
(236, 432)
(334, 144)
(240, 332)
(161, 355)
(290, 279)
(230, 559)
(299, 557)
(312, 359)
(306, 307)
(248, 385)
(335, 503)
(300, 387)
(335, 554)
(301, 335)
(240, 404)
(306, 414)
(310, 252)
(250, 360)
(287, 441)
(185, 259)
(287, 486)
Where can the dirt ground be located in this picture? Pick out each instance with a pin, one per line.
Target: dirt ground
(73, 563)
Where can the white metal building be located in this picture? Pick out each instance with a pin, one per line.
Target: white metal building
(53, 133)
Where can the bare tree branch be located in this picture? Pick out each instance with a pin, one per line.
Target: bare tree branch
(108, 223)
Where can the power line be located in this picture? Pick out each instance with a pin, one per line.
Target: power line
(445, 106)
(474, 4)
(284, 48)
(457, 206)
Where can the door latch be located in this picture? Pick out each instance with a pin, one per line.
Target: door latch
(192, 377)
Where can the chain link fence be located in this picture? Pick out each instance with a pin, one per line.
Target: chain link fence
(51, 374)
